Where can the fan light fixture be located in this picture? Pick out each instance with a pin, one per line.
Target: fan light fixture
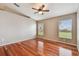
(40, 8)
(40, 12)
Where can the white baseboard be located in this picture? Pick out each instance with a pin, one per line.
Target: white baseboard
(16, 41)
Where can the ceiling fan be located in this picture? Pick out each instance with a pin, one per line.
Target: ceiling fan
(41, 9)
(16, 4)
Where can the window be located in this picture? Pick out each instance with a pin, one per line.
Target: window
(65, 29)
(41, 29)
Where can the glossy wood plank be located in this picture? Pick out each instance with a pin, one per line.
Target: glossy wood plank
(31, 51)
(2, 52)
(9, 51)
(33, 48)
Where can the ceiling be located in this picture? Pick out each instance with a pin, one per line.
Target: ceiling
(56, 9)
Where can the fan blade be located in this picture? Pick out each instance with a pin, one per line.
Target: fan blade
(34, 8)
(42, 7)
(45, 10)
(16, 4)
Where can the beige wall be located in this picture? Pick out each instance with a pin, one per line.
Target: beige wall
(15, 28)
(51, 28)
(78, 29)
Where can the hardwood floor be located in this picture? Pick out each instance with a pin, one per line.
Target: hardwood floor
(37, 48)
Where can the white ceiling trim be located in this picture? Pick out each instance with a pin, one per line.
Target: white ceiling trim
(56, 9)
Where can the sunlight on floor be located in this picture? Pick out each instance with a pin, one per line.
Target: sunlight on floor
(64, 52)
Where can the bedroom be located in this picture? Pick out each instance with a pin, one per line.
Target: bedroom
(39, 29)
